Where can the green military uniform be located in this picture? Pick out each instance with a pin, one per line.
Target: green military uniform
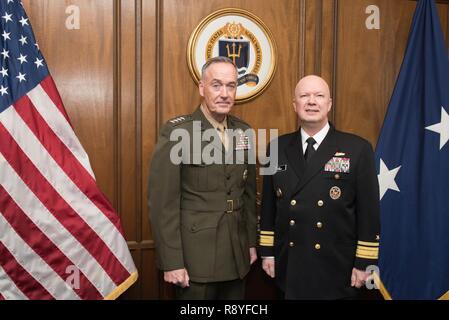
(203, 215)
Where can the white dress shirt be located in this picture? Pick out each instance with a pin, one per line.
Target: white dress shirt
(319, 137)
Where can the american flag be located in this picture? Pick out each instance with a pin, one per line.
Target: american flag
(59, 236)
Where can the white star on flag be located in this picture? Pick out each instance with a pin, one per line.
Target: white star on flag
(22, 58)
(5, 54)
(23, 40)
(386, 179)
(24, 21)
(5, 35)
(7, 17)
(3, 90)
(4, 72)
(21, 77)
(442, 128)
(39, 62)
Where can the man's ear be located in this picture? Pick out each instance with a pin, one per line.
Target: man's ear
(201, 88)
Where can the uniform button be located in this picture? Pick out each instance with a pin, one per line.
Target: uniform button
(291, 244)
(293, 202)
(337, 176)
(228, 177)
(320, 203)
(319, 225)
(229, 193)
(292, 222)
(317, 246)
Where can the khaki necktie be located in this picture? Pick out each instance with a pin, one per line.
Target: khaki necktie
(222, 134)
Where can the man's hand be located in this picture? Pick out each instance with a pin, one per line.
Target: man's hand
(268, 266)
(358, 278)
(252, 255)
(179, 277)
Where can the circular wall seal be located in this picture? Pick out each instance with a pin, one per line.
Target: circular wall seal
(245, 39)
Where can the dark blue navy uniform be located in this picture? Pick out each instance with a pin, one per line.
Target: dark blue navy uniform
(321, 219)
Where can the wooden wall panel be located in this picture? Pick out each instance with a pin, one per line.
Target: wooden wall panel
(312, 40)
(127, 140)
(180, 93)
(149, 133)
(127, 109)
(369, 61)
(328, 34)
(359, 96)
(81, 62)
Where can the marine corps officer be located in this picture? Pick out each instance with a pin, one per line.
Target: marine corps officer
(203, 214)
(320, 210)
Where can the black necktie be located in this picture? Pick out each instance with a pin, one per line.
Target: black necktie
(310, 150)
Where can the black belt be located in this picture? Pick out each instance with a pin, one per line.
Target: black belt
(226, 205)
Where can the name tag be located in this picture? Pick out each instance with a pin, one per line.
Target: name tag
(282, 168)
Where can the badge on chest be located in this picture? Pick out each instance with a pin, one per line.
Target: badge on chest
(338, 163)
(242, 141)
(335, 193)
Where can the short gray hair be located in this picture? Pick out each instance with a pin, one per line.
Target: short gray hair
(219, 59)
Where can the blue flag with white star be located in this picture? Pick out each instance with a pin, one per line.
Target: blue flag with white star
(412, 158)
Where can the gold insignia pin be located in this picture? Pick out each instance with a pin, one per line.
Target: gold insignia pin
(340, 154)
(335, 193)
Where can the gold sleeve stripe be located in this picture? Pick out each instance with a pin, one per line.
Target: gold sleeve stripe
(367, 253)
(367, 248)
(266, 241)
(267, 238)
(369, 244)
(268, 233)
(366, 257)
(364, 251)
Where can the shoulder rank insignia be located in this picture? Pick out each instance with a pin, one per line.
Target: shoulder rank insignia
(177, 120)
